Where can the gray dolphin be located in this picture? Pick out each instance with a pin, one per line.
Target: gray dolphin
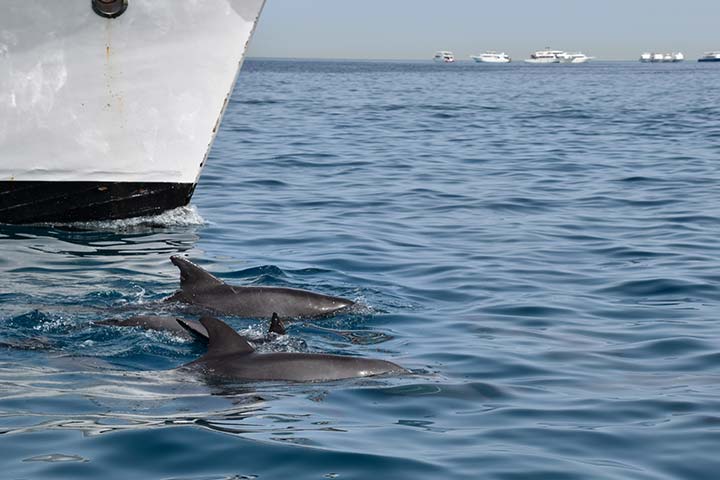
(231, 357)
(162, 324)
(38, 343)
(198, 287)
(191, 330)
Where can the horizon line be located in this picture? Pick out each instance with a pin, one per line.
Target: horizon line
(430, 59)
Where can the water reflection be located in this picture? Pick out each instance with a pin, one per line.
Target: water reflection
(95, 399)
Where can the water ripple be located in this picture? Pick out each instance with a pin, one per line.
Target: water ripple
(544, 263)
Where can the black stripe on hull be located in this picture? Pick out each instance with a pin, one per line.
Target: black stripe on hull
(65, 202)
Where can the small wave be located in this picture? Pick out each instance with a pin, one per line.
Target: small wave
(475, 391)
(665, 347)
(257, 102)
(639, 179)
(660, 287)
(57, 458)
(692, 219)
(624, 252)
(263, 272)
(530, 311)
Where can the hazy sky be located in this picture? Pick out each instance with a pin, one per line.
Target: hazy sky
(415, 29)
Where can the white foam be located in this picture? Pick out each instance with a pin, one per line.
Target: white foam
(178, 217)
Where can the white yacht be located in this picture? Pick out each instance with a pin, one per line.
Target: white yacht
(108, 108)
(444, 57)
(492, 57)
(677, 57)
(710, 57)
(557, 56)
(654, 57)
(546, 56)
(576, 57)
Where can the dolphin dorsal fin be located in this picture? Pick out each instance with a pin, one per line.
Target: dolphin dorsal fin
(223, 340)
(277, 325)
(193, 277)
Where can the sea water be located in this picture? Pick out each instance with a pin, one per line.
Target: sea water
(540, 245)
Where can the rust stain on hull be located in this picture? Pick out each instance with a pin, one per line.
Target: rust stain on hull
(114, 98)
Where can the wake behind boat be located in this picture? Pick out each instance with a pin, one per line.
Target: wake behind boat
(108, 108)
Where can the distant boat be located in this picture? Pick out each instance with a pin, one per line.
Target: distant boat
(546, 56)
(557, 56)
(710, 57)
(653, 57)
(492, 57)
(577, 57)
(444, 57)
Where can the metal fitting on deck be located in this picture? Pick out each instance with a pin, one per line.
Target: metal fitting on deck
(109, 8)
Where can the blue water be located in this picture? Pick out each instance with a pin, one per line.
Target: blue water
(539, 244)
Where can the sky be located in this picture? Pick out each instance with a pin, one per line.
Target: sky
(416, 29)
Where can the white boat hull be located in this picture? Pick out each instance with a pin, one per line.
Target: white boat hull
(542, 60)
(662, 57)
(135, 99)
(490, 60)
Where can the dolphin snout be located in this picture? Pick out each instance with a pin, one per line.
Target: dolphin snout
(340, 304)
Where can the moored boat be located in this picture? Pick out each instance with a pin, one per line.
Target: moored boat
(108, 108)
(545, 56)
(654, 57)
(577, 57)
(492, 57)
(444, 57)
(710, 57)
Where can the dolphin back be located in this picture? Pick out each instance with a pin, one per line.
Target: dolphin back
(231, 357)
(199, 287)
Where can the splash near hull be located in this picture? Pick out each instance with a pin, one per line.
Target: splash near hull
(118, 111)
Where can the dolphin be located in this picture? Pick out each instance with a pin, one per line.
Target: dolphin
(161, 324)
(276, 325)
(198, 287)
(38, 343)
(231, 357)
(192, 329)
